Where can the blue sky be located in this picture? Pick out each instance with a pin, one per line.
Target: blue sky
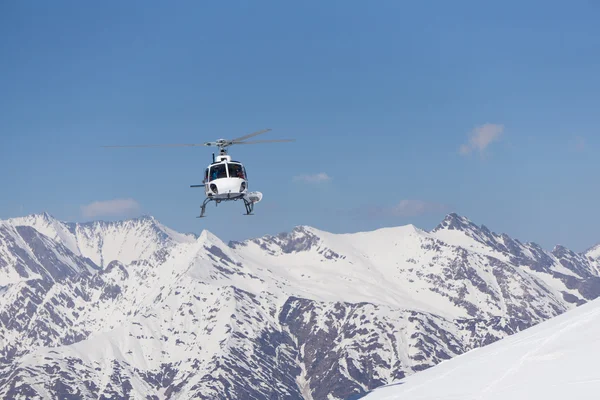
(408, 110)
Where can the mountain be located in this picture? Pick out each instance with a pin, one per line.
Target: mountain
(578, 273)
(31, 265)
(26, 254)
(594, 253)
(103, 242)
(553, 361)
(133, 309)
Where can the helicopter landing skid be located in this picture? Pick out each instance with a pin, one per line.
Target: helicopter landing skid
(247, 203)
(249, 206)
(203, 207)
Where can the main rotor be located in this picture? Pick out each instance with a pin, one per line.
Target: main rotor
(222, 144)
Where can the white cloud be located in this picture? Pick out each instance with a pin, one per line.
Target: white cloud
(481, 137)
(316, 178)
(110, 208)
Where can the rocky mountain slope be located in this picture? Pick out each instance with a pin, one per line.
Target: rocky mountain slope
(133, 309)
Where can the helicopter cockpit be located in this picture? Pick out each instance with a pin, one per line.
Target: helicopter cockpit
(224, 170)
(225, 179)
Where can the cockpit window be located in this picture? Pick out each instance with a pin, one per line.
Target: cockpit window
(236, 171)
(218, 171)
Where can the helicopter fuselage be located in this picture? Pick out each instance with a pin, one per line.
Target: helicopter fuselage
(225, 179)
(226, 188)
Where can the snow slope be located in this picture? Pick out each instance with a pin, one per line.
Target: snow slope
(554, 360)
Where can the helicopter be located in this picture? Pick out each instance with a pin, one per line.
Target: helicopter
(224, 178)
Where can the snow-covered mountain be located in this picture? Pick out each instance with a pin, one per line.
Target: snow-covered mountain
(554, 360)
(25, 254)
(133, 309)
(594, 253)
(104, 242)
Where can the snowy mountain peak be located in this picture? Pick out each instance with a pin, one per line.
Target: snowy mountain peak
(27, 254)
(454, 224)
(103, 241)
(594, 253)
(561, 251)
(454, 227)
(454, 221)
(41, 220)
(49, 226)
(301, 238)
(206, 237)
(31, 218)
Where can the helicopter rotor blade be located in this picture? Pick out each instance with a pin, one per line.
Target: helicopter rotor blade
(266, 141)
(221, 143)
(249, 136)
(162, 145)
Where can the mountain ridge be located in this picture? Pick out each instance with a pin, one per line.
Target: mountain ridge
(449, 219)
(452, 221)
(104, 241)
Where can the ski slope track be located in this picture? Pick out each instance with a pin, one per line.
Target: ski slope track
(550, 361)
(135, 310)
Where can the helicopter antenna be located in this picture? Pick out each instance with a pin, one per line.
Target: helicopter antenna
(222, 144)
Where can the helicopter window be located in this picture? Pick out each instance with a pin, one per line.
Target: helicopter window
(236, 171)
(218, 171)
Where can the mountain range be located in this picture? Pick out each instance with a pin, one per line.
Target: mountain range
(133, 309)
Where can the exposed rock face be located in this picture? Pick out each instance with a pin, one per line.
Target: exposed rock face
(135, 310)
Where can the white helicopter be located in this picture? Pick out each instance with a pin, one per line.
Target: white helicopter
(224, 179)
